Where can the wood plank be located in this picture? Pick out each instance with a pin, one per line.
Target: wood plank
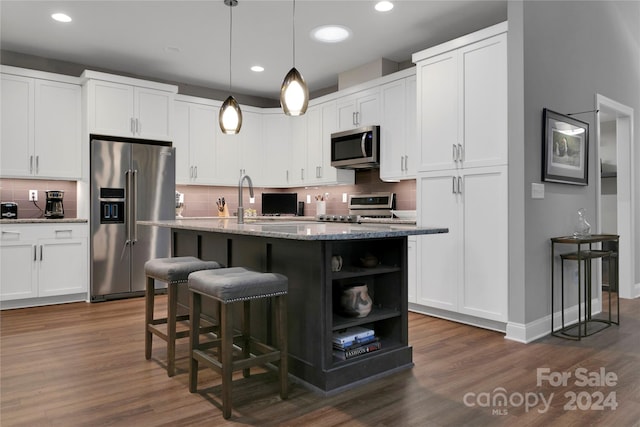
(83, 364)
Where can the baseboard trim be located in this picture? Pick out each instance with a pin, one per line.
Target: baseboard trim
(458, 317)
(36, 302)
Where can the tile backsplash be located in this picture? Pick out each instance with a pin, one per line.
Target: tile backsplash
(17, 191)
(200, 201)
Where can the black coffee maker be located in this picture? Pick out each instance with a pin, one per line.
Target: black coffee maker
(54, 207)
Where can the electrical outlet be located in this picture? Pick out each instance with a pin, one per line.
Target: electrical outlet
(33, 195)
(344, 197)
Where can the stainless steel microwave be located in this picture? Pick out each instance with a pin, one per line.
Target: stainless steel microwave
(356, 148)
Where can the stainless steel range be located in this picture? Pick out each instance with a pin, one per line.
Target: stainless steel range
(374, 205)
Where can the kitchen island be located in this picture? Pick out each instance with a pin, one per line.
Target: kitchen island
(302, 251)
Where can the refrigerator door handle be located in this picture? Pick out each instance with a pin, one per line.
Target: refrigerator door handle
(127, 204)
(134, 211)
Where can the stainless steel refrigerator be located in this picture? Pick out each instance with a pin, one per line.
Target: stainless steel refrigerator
(130, 181)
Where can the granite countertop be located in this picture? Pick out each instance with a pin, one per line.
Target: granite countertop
(297, 229)
(43, 220)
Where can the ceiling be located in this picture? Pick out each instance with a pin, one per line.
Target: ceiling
(188, 41)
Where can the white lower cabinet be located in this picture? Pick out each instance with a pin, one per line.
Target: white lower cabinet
(412, 269)
(43, 260)
(465, 270)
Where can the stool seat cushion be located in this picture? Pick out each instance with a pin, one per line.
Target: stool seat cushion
(237, 284)
(176, 269)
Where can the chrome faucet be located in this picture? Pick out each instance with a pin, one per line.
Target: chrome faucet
(240, 207)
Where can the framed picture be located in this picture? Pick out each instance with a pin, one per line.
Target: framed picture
(565, 149)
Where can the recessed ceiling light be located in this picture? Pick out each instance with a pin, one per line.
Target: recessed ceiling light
(257, 68)
(61, 17)
(384, 6)
(331, 33)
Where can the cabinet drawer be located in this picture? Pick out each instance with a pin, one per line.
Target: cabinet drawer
(25, 232)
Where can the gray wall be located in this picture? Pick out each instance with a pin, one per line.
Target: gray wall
(572, 50)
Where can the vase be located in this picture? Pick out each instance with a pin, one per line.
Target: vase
(582, 228)
(355, 301)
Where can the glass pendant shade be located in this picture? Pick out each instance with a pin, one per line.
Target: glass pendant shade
(294, 94)
(230, 116)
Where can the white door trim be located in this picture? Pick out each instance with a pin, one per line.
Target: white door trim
(625, 190)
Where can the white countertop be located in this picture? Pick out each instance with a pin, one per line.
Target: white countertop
(297, 229)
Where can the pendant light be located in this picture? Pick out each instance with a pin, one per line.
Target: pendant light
(294, 93)
(230, 116)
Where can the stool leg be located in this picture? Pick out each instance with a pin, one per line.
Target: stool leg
(281, 330)
(246, 335)
(194, 339)
(148, 316)
(226, 348)
(172, 311)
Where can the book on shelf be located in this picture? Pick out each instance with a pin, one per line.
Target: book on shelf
(357, 350)
(355, 343)
(350, 335)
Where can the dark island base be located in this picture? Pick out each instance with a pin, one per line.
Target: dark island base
(314, 299)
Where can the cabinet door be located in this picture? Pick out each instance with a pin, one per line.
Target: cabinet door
(203, 133)
(359, 110)
(252, 149)
(484, 75)
(440, 258)
(58, 130)
(411, 127)
(393, 130)
(299, 170)
(56, 275)
(17, 119)
(228, 157)
(111, 108)
(412, 269)
(484, 288)
(180, 132)
(153, 112)
(18, 271)
(277, 142)
(314, 144)
(438, 126)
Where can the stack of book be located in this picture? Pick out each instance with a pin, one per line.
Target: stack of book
(353, 342)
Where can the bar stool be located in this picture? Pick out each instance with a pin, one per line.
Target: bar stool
(229, 286)
(585, 256)
(172, 271)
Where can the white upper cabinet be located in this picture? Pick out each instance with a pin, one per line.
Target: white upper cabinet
(462, 103)
(41, 127)
(398, 142)
(195, 142)
(359, 109)
(276, 138)
(241, 153)
(120, 106)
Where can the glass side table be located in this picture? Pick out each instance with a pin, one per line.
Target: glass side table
(585, 325)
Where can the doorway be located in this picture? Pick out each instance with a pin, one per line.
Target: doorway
(614, 186)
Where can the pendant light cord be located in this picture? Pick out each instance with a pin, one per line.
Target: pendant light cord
(294, 33)
(230, 36)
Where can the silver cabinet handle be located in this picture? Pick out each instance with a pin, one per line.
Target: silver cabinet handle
(453, 185)
(37, 164)
(460, 152)
(287, 175)
(10, 232)
(401, 163)
(353, 118)
(454, 153)
(132, 125)
(128, 201)
(190, 171)
(35, 253)
(41, 252)
(138, 126)
(302, 174)
(195, 172)
(406, 163)
(459, 185)
(30, 164)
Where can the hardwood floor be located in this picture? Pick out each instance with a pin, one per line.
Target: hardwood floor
(83, 365)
